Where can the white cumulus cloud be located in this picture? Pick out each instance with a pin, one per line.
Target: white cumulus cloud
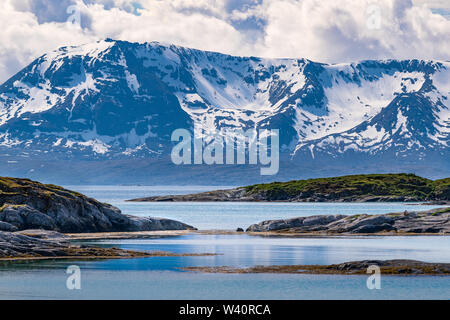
(321, 30)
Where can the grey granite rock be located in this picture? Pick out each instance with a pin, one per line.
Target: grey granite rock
(26, 204)
(50, 244)
(431, 221)
(43, 234)
(5, 226)
(13, 245)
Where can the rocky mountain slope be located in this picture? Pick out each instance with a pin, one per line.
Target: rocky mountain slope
(113, 101)
(26, 204)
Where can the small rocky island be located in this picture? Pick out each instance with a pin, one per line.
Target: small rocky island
(435, 221)
(354, 188)
(39, 244)
(27, 204)
(16, 246)
(34, 216)
(387, 267)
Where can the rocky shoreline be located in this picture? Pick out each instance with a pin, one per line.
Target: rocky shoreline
(38, 245)
(41, 221)
(42, 244)
(356, 188)
(242, 195)
(387, 267)
(27, 204)
(35, 216)
(435, 221)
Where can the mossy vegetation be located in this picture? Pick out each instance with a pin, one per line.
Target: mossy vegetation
(2, 207)
(368, 185)
(17, 191)
(445, 210)
(442, 188)
(8, 183)
(19, 186)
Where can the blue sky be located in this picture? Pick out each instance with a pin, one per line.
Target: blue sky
(323, 30)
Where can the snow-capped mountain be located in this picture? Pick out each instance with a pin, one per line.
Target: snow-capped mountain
(120, 100)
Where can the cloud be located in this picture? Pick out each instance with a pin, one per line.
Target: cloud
(328, 31)
(338, 31)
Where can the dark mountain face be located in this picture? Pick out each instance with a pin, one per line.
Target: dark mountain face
(81, 110)
(117, 103)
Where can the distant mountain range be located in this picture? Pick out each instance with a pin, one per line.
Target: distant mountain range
(104, 112)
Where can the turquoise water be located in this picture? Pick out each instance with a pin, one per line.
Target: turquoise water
(161, 277)
(229, 215)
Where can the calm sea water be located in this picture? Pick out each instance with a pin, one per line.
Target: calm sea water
(132, 284)
(229, 215)
(161, 277)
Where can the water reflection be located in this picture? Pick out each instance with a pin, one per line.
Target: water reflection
(244, 250)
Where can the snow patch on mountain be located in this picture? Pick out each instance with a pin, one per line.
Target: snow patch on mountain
(117, 98)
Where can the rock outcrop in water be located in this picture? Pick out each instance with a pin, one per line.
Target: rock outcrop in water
(431, 221)
(41, 244)
(26, 204)
(19, 246)
(400, 267)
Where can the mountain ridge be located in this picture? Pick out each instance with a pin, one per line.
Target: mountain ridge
(115, 100)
